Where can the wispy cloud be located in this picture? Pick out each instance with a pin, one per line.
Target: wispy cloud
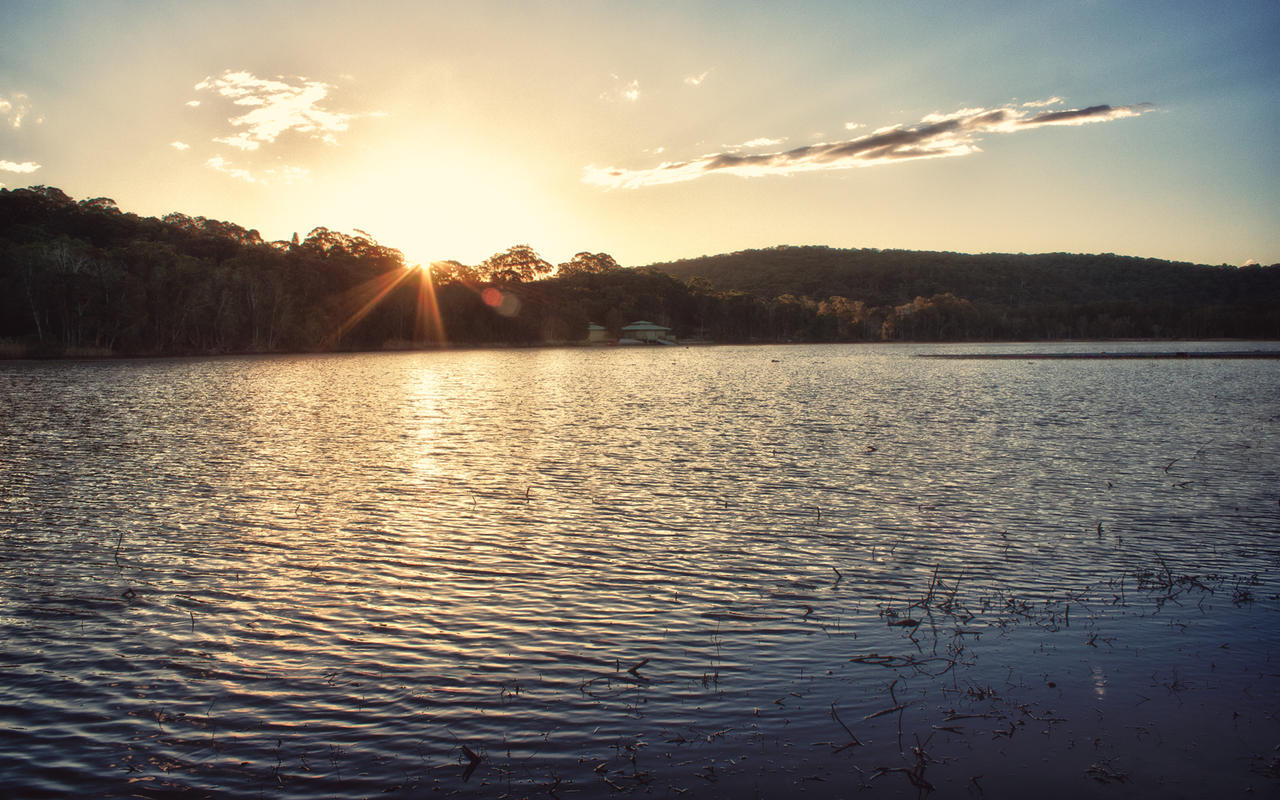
(286, 175)
(622, 91)
(15, 109)
(277, 106)
(763, 141)
(222, 165)
(1085, 116)
(1052, 101)
(24, 168)
(696, 80)
(935, 136)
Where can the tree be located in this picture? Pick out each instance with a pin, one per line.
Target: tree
(443, 272)
(84, 274)
(589, 264)
(103, 204)
(518, 264)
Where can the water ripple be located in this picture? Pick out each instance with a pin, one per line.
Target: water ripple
(619, 569)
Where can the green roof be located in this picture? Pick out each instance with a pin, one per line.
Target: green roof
(642, 325)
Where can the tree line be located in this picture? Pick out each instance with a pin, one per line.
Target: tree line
(84, 278)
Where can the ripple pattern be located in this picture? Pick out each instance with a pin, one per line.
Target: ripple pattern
(619, 570)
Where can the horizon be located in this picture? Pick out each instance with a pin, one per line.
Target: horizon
(452, 132)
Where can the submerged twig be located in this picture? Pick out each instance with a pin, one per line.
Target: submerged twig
(884, 711)
(634, 670)
(853, 740)
(474, 762)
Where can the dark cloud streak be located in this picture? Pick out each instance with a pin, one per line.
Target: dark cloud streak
(936, 136)
(1090, 114)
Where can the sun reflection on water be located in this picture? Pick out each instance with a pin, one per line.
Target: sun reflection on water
(1099, 682)
(404, 551)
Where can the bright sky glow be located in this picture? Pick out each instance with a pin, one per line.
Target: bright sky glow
(664, 130)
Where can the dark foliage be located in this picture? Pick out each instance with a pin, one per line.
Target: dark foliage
(86, 278)
(892, 277)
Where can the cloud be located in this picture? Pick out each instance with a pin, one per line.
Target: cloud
(289, 174)
(277, 107)
(696, 80)
(1084, 116)
(193, 104)
(13, 110)
(222, 165)
(16, 108)
(620, 92)
(180, 145)
(286, 175)
(1052, 101)
(853, 126)
(763, 141)
(24, 168)
(935, 136)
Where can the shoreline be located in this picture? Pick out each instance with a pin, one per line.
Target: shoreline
(15, 352)
(1260, 354)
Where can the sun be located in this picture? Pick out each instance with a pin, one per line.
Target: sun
(436, 200)
(428, 328)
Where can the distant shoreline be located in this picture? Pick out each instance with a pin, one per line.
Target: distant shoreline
(13, 353)
(1106, 356)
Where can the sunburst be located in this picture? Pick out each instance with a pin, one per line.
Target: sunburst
(428, 327)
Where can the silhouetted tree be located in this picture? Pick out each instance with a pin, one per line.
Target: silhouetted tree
(589, 263)
(76, 275)
(517, 264)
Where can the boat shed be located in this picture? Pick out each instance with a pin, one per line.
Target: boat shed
(644, 331)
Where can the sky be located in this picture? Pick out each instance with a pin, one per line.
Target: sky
(655, 131)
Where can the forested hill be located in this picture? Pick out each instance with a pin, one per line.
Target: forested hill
(84, 278)
(892, 277)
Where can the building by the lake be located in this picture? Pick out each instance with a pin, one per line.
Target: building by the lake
(640, 332)
(644, 331)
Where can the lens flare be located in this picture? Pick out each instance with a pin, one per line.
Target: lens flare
(505, 303)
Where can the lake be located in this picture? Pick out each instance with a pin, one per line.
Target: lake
(722, 571)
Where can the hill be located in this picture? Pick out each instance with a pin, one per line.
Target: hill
(86, 278)
(894, 277)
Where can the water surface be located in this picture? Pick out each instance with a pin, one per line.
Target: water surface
(639, 571)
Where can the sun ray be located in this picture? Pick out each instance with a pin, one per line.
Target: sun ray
(374, 289)
(428, 325)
